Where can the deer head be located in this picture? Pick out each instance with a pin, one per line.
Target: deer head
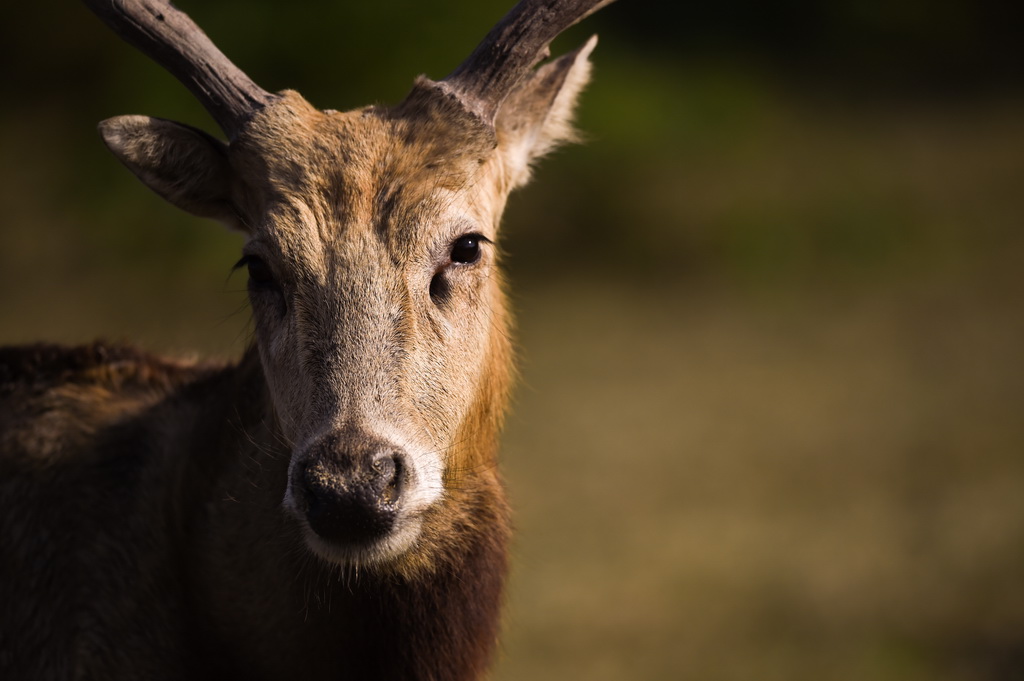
(371, 249)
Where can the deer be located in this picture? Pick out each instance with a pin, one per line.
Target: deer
(329, 505)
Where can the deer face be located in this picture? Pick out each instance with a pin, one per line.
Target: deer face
(371, 254)
(378, 314)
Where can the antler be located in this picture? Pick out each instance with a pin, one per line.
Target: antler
(513, 47)
(171, 39)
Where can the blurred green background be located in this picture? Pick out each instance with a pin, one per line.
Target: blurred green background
(770, 421)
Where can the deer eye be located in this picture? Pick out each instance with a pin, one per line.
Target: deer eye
(260, 273)
(466, 249)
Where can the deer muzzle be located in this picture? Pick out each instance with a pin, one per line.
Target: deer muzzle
(350, 489)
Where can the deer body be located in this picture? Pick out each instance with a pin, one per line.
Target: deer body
(330, 503)
(152, 544)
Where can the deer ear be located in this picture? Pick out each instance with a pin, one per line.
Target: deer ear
(184, 165)
(537, 116)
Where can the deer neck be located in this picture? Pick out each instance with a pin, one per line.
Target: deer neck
(264, 603)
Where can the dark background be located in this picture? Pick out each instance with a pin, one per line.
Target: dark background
(770, 313)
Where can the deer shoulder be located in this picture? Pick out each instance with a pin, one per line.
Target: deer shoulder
(55, 399)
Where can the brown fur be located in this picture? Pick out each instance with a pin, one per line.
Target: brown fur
(147, 541)
(154, 514)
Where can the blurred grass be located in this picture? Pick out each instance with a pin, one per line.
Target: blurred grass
(715, 485)
(770, 315)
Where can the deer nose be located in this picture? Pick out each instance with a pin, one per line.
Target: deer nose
(352, 496)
